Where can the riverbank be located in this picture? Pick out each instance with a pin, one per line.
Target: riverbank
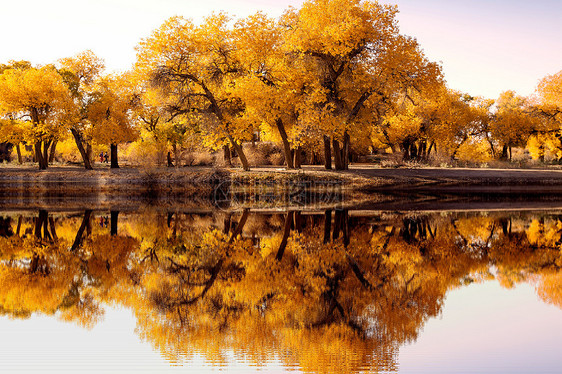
(201, 180)
(206, 189)
(189, 188)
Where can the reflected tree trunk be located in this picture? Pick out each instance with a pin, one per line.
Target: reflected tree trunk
(53, 230)
(40, 222)
(18, 228)
(114, 160)
(80, 233)
(113, 223)
(345, 227)
(327, 225)
(337, 224)
(298, 221)
(176, 225)
(240, 226)
(227, 223)
(286, 233)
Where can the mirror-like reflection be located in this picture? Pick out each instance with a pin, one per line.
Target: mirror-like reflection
(334, 291)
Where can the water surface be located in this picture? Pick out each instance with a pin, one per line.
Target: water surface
(335, 291)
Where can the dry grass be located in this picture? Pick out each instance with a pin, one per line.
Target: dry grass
(198, 158)
(264, 154)
(277, 159)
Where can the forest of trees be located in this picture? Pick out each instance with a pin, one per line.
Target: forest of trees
(333, 80)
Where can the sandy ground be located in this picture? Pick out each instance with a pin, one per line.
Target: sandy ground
(449, 180)
(358, 174)
(462, 174)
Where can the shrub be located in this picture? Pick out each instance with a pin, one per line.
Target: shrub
(264, 153)
(277, 159)
(198, 158)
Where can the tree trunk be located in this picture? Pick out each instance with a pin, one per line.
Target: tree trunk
(227, 156)
(454, 156)
(18, 150)
(337, 155)
(413, 151)
(297, 158)
(46, 145)
(169, 159)
(39, 156)
(406, 146)
(429, 149)
(286, 145)
(240, 151)
(503, 156)
(42, 161)
(89, 153)
(327, 153)
(422, 150)
(53, 150)
(492, 148)
(114, 161)
(313, 158)
(176, 155)
(345, 150)
(83, 152)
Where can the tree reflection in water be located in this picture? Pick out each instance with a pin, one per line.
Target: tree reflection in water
(334, 291)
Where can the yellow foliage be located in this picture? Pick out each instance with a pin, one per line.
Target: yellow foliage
(110, 113)
(40, 95)
(475, 150)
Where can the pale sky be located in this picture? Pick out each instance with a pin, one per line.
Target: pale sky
(488, 46)
(485, 46)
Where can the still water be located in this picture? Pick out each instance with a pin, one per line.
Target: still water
(333, 291)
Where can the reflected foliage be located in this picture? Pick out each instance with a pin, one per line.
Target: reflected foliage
(334, 291)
